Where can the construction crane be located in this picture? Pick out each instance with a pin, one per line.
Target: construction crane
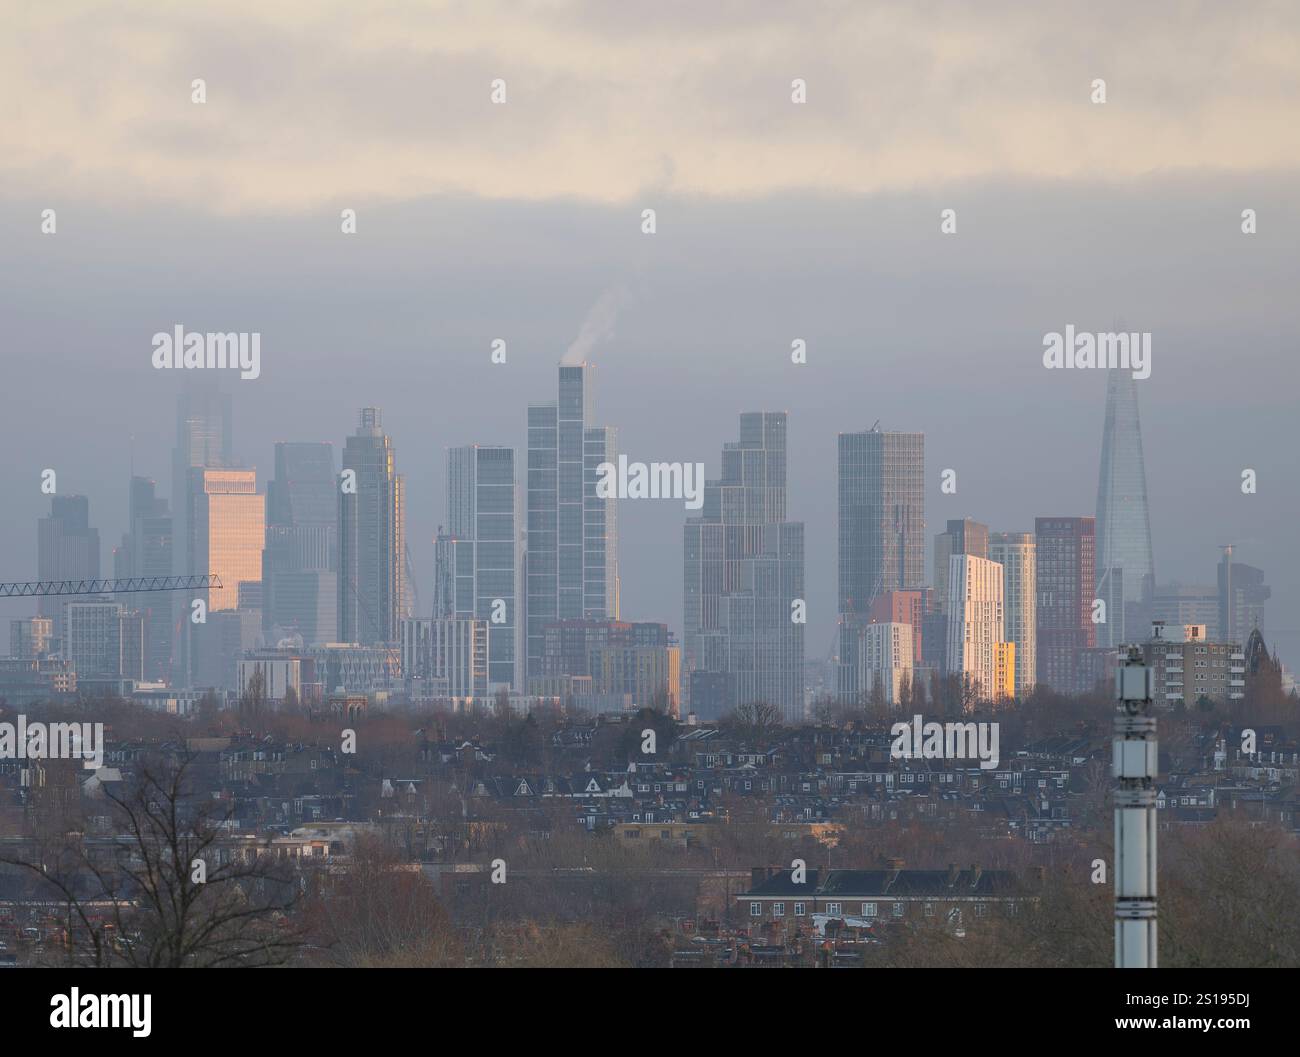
(131, 585)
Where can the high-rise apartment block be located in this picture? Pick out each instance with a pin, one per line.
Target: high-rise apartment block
(744, 574)
(976, 625)
(1189, 667)
(572, 554)
(881, 531)
(1066, 578)
(885, 660)
(477, 559)
(1017, 553)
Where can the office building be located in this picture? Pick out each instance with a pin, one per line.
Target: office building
(372, 583)
(30, 638)
(300, 561)
(1242, 594)
(146, 550)
(67, 548)
(1124, 565)
(204, 440)
(104, 640)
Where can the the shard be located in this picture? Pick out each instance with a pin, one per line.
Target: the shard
(1125, 571)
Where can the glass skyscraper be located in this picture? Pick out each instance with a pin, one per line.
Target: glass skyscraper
(881, 510)
(572, 557)
(300, 562)
(744, 567)
(1125, 572)
(203, 440)
(67, 548)
(371, 538)
(478, 557)
(1065, 574)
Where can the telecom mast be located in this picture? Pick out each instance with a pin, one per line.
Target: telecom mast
(1135, 764)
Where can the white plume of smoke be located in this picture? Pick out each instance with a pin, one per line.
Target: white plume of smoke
(597, 325)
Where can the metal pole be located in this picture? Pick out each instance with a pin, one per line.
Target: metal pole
(1135, 816)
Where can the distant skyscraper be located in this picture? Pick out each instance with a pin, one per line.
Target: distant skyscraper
(881, 513)
(1242, 594)
(67, 548)
(204, 440)
(104, 640)
(1017, 553)
(300, 563)
(962, 536)
(1066, 577)
(371, 538)
(976, 623)
(744, 566)
(478, 557)
(227, 525)
(147, 550)
(572, 556)
(226, 535)
(1125, 571)
(904, 607)
(1181, 604)
(886, 653)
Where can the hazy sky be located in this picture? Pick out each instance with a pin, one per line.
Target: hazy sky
(775, 221)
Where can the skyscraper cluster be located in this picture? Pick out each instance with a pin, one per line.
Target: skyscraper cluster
(317, 594)
(744, 580)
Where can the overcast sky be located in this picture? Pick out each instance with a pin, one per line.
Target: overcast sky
(775, 221)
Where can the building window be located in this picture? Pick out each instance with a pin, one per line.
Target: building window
(755, 910)
(833, 909)
(798, 910)
(929, 910)
(868, 910)
(981, 910)
(778, 910)
(898, 910)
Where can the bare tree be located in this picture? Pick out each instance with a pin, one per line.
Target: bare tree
(383, 912)
(167, 890)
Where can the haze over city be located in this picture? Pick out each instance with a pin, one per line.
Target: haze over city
(828, 252)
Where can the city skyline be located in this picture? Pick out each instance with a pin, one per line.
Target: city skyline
(316, 456)
(724, 485)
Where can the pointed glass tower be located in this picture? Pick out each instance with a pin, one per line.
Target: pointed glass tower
(1124, 564)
